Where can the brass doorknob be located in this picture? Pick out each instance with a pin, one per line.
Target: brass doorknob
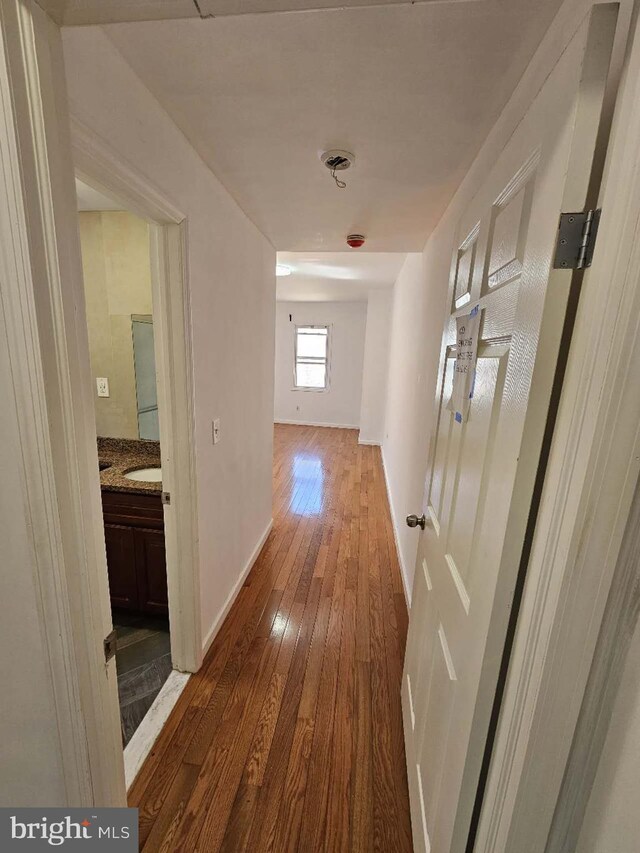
(417, 521)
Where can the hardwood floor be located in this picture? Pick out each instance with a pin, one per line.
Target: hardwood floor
(290, 736)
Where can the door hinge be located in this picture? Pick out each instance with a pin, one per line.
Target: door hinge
(576, 240)
(110, 645)
(166, 498)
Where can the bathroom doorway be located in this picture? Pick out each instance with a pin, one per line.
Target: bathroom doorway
(145, 427)
(116, 260)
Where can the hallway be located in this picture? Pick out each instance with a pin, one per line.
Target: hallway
(290, 736)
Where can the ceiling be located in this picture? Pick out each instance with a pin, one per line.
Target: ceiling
(411, 90)
(315, 277)
(336, 276)
(78, 12)
(90, 199)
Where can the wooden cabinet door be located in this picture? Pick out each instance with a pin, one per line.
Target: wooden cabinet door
(121, 566)
(151, 568)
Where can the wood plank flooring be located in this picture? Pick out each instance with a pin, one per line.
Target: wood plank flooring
(290, 736)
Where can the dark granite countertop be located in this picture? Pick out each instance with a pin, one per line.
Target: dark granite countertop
(117, 456)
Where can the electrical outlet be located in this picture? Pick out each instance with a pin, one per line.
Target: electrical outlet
(216, 430)
(102, 384)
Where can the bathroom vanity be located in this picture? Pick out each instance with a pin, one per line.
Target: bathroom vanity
(133, 526)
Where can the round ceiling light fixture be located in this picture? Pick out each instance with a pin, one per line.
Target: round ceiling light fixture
(282, 270)
(337, 160)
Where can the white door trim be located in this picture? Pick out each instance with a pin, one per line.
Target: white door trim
(99, 165)
(172, 320)
(97, 162)
(591, 476)
(43, 305)
(616, 634)
(52, 385)
(17, 301)
(148, 731)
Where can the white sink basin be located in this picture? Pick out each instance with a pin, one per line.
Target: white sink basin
(147, 475)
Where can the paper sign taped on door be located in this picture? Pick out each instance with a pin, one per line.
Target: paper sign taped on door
(464, 371)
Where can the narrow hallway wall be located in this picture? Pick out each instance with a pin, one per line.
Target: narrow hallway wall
(412, 359)
(376, 366)
(231, 272)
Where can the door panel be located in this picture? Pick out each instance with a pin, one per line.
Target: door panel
(442, 448)
(508, 232)
(432, 748)
(480, 479)
(476, 447)
(418, 659)
(120, 546)
(151, 567)
(464, 269)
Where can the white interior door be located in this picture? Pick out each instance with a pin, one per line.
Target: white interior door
(481, 473)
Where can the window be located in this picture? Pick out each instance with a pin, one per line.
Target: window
(311, 357)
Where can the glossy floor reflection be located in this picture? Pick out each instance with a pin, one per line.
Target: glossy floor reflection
(290, 736)
(307, 485)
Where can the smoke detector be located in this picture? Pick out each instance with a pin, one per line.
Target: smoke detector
(337, 160)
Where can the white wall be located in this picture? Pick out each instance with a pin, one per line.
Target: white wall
(30, 749)
(375, 368)
(612, 820)
(232, 281)
(416, 332)
(339, 404)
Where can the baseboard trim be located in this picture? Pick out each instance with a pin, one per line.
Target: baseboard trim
(394, 525)
(316, 424)
(370, 442)
(152, 724)
(213, 631)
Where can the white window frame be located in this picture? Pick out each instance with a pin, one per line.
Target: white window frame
(298, 326)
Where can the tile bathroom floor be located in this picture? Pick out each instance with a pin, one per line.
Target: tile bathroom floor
(143, 662)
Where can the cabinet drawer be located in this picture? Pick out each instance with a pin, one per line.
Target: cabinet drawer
(134, 510)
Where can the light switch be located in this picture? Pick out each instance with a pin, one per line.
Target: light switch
(216, 430)
(102, 384)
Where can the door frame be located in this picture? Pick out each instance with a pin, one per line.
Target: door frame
(591, 476)
(102, 168)
(42, 299)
